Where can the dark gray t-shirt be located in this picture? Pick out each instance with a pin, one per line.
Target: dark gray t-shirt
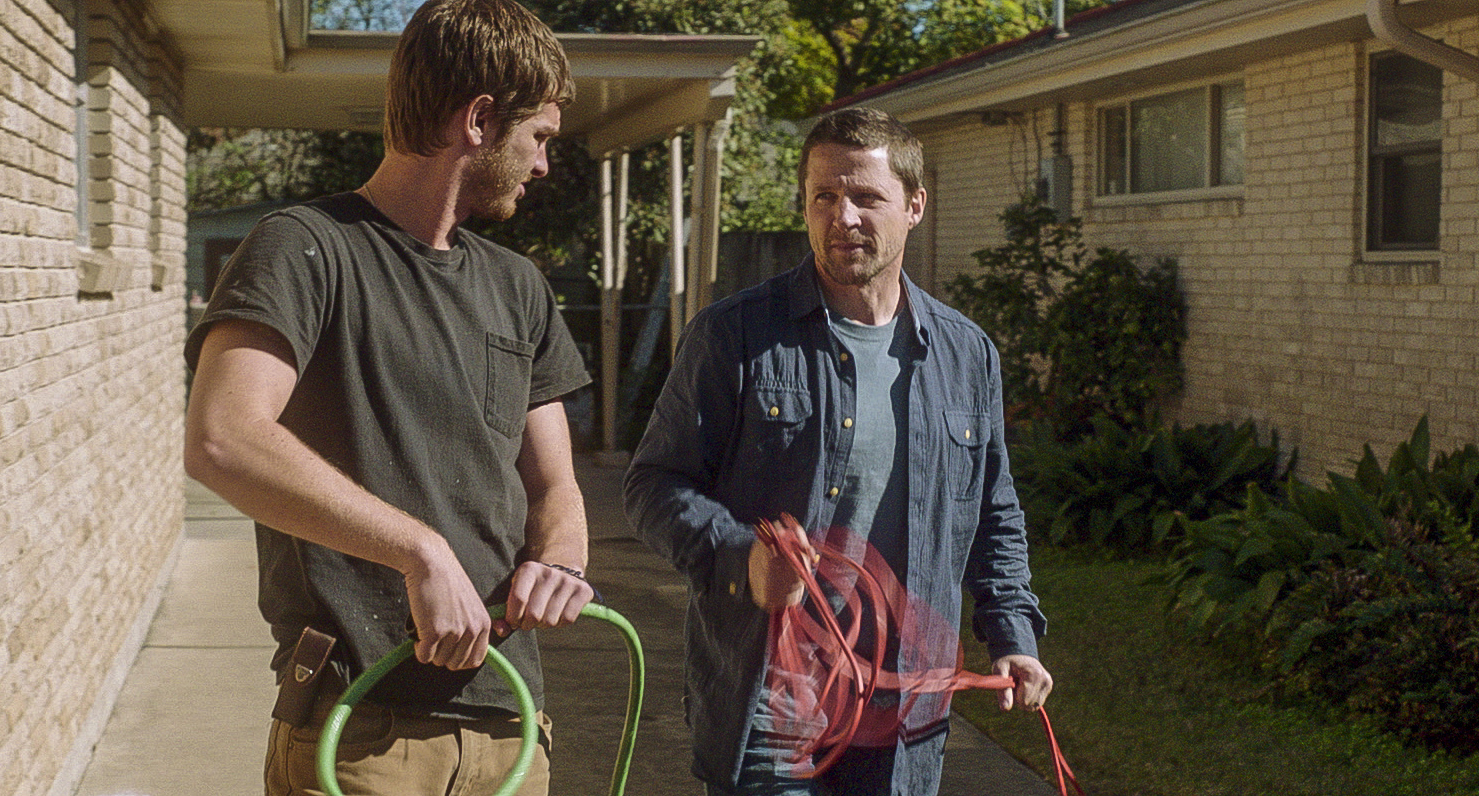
(416, 368)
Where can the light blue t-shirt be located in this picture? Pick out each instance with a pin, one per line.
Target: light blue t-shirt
(873, 499)
(872, 503)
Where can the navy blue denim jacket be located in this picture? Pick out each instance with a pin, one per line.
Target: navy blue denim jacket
(749, 425)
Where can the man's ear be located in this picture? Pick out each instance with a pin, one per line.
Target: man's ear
(476, 122)
(916, 207)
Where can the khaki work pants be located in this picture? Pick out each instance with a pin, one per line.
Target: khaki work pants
(387, 754)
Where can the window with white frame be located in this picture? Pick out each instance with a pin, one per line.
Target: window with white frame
(1404, 154)
(1177, 141)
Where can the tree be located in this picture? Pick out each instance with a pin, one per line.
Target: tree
(862, 43)
(361, 14)
(233, 167)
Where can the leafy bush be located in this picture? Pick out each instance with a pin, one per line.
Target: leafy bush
(1365, 593)
(1230, 569)
(1134, 490)
(1116, 340)
(1395, 636)
(1021, 280)
(1440, 498)
(1079, 336)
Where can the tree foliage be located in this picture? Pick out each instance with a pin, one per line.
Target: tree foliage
(862, 43)
(233, 167)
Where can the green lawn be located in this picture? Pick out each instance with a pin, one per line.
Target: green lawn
(1141, 709)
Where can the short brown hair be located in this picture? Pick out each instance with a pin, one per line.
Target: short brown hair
(868, 128)
(454, 50)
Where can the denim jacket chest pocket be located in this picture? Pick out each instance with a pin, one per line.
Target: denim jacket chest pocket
(965, 453)
(775, 416)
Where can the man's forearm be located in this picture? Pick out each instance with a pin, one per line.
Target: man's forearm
(556, 530)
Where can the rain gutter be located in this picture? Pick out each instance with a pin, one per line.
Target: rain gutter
(1382, 15)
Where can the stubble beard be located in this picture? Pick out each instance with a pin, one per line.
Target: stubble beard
(852, 272)
(492, 185)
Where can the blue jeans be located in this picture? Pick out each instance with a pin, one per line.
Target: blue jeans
(859, 772)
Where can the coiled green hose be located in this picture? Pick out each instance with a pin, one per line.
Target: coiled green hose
(328, 742)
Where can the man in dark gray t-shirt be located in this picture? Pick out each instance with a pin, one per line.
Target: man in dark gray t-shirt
(381, 391)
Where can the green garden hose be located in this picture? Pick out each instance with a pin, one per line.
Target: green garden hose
(328, 743)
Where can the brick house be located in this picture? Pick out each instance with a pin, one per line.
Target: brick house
(95, 100)
(92, 230)
(1319, 188)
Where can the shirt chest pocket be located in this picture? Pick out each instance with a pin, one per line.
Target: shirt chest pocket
(965, 453)
(506, 401)
(775, 417)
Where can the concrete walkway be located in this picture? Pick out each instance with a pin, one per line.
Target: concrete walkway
(192, 716)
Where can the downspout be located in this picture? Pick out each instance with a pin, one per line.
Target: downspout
(1382, 16)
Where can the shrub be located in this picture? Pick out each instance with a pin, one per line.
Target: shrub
(1230, 569)
(1395, 637)
(1021, 279)
(1079, 336)
(1116, 341)
(1133, 491)
(1441, 498)
(1365, 593)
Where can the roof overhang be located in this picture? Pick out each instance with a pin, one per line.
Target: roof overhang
(1167, 41)
(255, 63)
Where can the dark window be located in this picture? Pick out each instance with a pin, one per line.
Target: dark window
(1405, 154)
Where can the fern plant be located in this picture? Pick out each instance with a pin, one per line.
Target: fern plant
(1134, 491)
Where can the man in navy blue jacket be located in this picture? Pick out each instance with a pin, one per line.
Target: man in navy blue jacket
(842, 394)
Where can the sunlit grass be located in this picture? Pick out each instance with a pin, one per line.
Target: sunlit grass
(1143, 709)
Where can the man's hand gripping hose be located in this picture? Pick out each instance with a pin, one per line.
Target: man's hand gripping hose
(328, 743)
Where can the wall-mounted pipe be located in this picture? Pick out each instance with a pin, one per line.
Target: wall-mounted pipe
(1382, 16)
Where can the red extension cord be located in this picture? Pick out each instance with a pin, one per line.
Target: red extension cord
(818, 678)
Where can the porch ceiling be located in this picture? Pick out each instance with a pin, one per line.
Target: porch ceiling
(254, 63)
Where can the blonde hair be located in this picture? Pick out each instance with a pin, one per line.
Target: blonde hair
(452, 51)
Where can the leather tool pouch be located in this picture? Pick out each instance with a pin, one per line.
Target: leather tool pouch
(300, 682)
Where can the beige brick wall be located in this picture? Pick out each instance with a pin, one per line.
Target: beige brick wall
(974, 171)
(91, 386)
(1289, 325)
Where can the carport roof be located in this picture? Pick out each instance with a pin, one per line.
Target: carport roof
(255, 63)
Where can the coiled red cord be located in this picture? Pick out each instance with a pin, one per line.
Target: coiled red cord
(823, 688)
